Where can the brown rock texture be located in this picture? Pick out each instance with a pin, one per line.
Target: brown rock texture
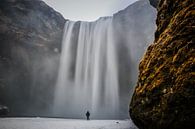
(164, 97)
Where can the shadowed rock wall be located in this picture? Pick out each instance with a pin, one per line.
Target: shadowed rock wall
(164, 97)
(30, 42)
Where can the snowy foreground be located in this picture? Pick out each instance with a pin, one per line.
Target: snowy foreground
(51, 123)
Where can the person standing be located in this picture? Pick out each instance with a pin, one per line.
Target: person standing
(88, 115)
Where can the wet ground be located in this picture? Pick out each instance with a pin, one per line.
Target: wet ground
(51, 123)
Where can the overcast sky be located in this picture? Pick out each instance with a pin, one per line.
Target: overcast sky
(88, 10)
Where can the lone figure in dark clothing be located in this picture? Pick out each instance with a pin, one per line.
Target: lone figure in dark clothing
(87, 115)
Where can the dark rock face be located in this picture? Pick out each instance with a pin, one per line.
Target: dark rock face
(30, 42)
(154, 3)
(164, 97)
(3, 110)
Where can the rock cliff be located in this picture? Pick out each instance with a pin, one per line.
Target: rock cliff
(30, 41)
(164, 97)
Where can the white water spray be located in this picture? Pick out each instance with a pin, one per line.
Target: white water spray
(88, 73)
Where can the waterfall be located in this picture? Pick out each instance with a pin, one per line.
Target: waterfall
(99, 63)
(88, 72)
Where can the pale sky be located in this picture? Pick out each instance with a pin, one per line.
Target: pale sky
(88, 10)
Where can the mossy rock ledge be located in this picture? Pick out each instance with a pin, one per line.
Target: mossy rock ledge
(164, 97)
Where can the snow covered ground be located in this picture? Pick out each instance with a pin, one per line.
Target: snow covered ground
(51, 123)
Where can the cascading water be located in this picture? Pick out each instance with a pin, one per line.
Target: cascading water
(88, 73)
(99, 63)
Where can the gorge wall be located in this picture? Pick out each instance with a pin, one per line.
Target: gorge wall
(164, 97)
(30, 42)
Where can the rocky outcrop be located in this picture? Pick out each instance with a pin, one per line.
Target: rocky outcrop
(164, 97)
(30, 42)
